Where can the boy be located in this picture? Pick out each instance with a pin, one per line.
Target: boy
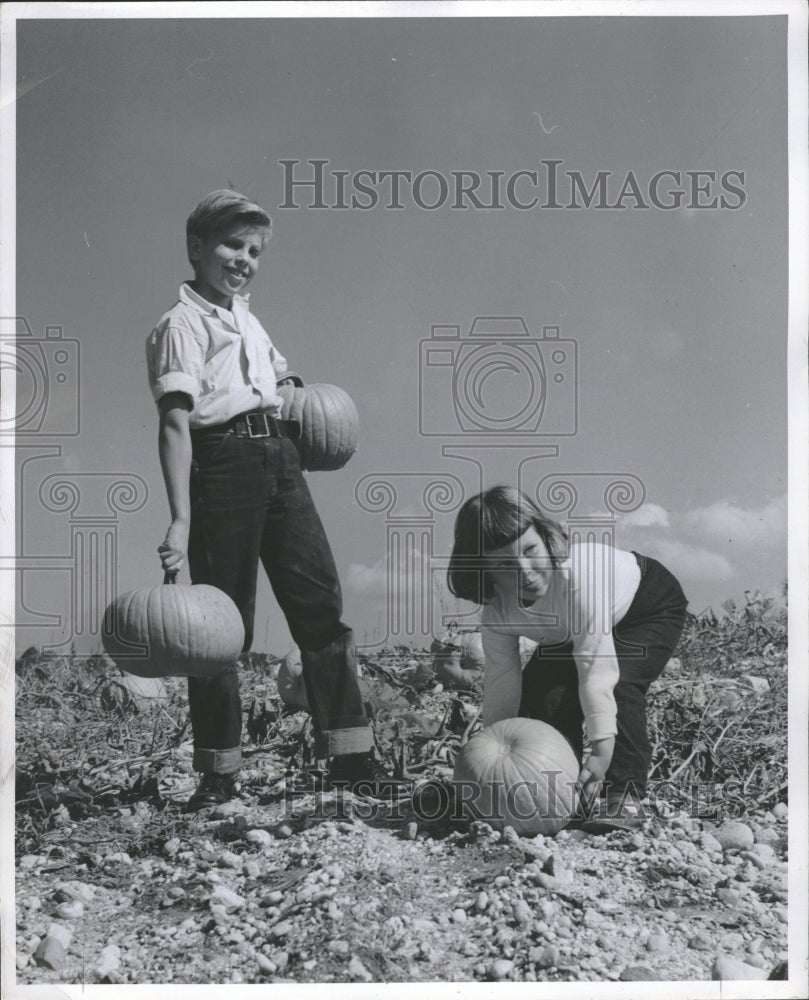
(237, 495)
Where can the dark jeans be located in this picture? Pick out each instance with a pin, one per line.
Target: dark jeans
(251, 503)
(644, 639)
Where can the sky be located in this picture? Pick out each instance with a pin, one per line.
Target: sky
(672, 322)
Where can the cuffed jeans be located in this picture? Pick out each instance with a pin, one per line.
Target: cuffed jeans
(251, 503)
(644, 639)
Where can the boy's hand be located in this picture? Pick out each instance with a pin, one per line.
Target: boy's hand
(174, 547)
(592, 774)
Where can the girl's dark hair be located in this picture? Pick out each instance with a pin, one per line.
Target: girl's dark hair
(488, 521)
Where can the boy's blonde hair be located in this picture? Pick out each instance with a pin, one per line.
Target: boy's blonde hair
(218, 211)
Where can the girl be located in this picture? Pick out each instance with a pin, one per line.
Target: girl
(606, 621)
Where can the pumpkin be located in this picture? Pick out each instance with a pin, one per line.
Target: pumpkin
(173, 630)
(291, 688)
(459, 660)
(520, 773)
(329, 424)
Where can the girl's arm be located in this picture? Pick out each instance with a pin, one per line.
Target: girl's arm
(592, 602)
(502, 676)
(174, 444)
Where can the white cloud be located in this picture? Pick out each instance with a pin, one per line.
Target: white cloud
(648, 515)
(690, 562)
(367, 581)
(725, 521)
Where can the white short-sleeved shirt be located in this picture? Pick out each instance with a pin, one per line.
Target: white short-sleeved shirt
(222, 359)
(590, 592)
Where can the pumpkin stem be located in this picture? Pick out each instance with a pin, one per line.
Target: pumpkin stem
(169, 578)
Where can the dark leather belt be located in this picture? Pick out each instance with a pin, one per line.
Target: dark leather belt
(253, 425)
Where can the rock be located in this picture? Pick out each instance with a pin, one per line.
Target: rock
(546, 881)
(638, 974)
(725, 968)
(260, 837)
(109, 961)
(226, 898)
(280, 959)
(709, 843)
(339, 947)
(762, 856)
(265, 965)
(171, 847)
(281, 929)
(544, 957)
(227, 859)
(780, 811)
(228, 809)
(411, 830)
(733, 835)
(728, 896)
(551, 866)
(283, 831)
(75, 890)
(271, 898)
(699, 942)
(657, 942)
(356, 970)
(766, 835)
(482, 901)
(760, 685)
(756, 959)
(71, 910)
(523, 913)
(459, 915)
(500, 969)
(52, 950)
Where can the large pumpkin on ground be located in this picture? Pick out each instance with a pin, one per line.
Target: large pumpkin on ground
(173, 630)
(520, 773)
(328, 421)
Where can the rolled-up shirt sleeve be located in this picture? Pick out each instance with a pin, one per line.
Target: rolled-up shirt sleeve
(279, 362)
(502, 678)
(175, 361)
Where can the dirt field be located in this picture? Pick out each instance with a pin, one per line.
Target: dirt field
(116, 883)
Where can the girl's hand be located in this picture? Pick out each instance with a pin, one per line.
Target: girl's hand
(174, 547)
(592, 774)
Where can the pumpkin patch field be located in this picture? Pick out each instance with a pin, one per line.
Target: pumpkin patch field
(116, 883)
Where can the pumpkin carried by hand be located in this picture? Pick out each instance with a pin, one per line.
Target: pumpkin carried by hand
(328, 420)
(173, 630)
(520, 773)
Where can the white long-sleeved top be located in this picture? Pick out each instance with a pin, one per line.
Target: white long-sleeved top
(590, 592)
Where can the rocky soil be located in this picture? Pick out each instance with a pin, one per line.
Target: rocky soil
(117, 883)
(253, 893)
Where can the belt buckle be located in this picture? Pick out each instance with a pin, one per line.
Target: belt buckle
(262, 421)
